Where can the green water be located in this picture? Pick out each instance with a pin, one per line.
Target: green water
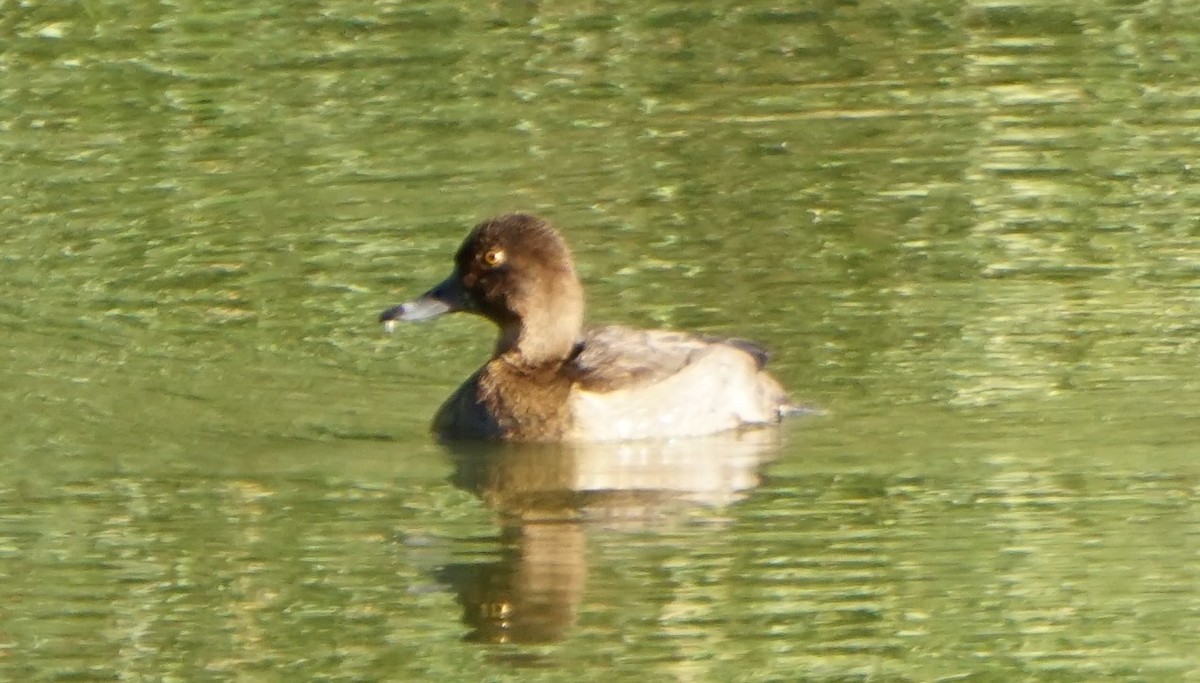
(968, 232)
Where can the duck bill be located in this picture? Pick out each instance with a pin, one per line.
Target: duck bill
(447, 297)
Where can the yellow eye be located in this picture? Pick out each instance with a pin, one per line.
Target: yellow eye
(494, 257)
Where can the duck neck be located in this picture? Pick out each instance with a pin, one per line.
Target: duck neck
(545, 339)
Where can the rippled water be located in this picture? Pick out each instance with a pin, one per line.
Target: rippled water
(968, 232)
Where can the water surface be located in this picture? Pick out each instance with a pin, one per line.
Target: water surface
(968, 232)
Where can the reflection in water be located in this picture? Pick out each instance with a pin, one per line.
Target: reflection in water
(531, 594)
(548, 494)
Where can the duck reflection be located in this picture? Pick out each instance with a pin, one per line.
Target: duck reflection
(548, 495)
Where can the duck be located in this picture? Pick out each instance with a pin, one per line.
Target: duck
(551, 379)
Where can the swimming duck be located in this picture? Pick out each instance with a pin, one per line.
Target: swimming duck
(549, 379)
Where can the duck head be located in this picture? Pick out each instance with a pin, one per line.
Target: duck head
(516, 271)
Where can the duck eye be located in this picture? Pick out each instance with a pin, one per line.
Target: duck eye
(493, 257)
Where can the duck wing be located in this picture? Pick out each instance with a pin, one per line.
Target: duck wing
(612, 358)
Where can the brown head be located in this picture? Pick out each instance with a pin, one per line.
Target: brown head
(516, 271)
